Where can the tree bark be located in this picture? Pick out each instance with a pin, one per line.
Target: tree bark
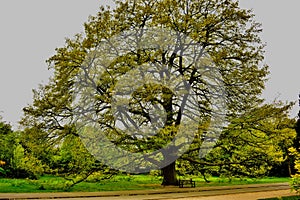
(169, 175)
(289, 167)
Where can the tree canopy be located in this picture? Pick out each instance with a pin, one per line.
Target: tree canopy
(149, 82)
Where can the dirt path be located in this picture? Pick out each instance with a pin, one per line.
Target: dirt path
(244, 196)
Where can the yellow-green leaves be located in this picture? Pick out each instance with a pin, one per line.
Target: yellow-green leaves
(198, 50)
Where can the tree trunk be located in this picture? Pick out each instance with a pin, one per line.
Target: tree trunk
(169, 175)
(289, 167)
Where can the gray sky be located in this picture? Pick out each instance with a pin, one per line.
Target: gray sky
(32, 29)
(280, 22)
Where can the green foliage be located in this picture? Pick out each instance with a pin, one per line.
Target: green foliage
(73, 157)
(2, 171)
(7, 144)
(67, 158)
(17, 158)
(295, 183)
(11, 152)
(251, 144)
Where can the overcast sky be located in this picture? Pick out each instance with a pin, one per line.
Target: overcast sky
(32, 29)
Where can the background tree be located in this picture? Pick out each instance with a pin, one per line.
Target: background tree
(15, 163)
(294, 153)
(67, 157)
(252, 144)
(297, 128)
(217, 30)
(7, 144)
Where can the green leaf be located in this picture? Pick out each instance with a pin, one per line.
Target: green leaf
(2, 171)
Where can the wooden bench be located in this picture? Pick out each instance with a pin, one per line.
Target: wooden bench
(187, 182)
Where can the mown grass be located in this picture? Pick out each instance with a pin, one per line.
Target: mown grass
(117, 183)
(216, 181)
(57, 184)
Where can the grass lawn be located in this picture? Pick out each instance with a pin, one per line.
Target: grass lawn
(120, 182)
